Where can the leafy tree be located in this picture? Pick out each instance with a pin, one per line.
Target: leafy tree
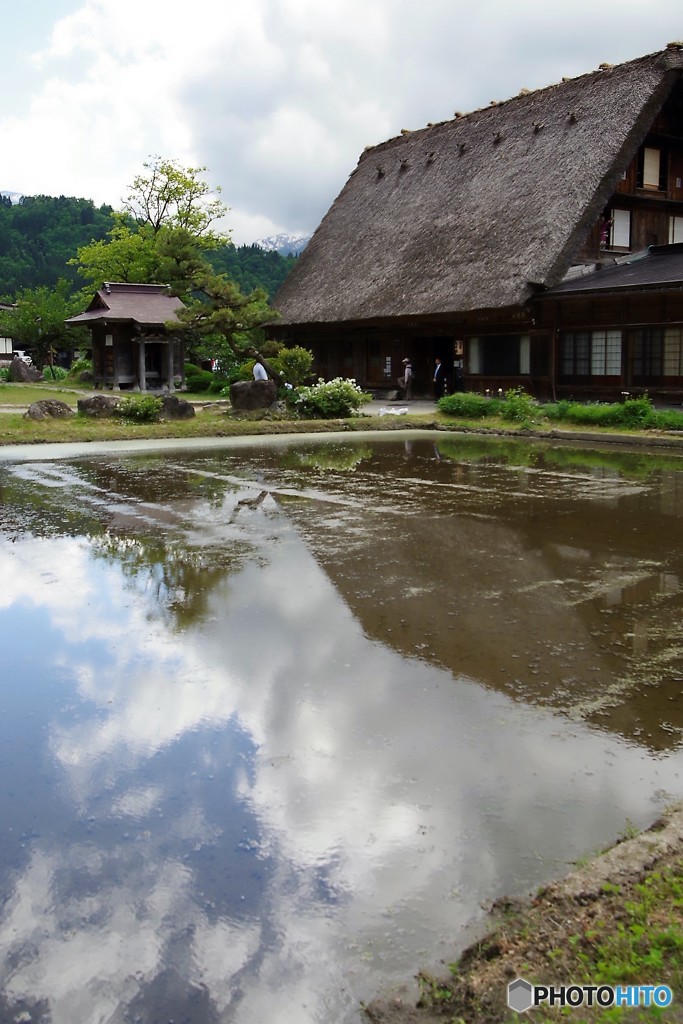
(168, 243)
(36, 322)
(223, 323)
(171, 196)
(161, 236)
(127, 254)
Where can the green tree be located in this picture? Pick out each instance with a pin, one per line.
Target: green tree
(165, 225)
(168, 242)
(224, 323)
(127, 254)
(171, 196)
(36, 322)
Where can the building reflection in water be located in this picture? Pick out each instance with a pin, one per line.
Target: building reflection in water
(277, 720)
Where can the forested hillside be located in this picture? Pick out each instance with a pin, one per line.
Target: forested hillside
(251, 267)
(40, 234)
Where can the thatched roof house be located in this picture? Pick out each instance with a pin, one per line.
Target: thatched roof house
(131, 344)
(464, 222)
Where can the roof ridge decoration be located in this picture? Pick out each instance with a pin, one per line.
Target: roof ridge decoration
(671, 58)
(482, 210)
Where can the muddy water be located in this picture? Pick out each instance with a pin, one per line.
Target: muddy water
(274, 721)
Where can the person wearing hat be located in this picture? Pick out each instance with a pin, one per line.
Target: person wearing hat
(406, 381)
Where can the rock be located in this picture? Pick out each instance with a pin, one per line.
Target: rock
(98, 406)
(49, 408)
(21, 373)
(174, 408)
(253, 394)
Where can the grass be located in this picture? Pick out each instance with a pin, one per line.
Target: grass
(521, 417)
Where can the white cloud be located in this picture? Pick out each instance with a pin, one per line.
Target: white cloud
(279, 97)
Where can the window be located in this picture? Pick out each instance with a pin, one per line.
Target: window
(652, 167)
(525, 354)
(474, 355)
(620, 233)
(574, 358)
(499, 355)
(651, 162)
(606, 353)
(675, 230)
(647, 352)
(590, 354)
(673, 352)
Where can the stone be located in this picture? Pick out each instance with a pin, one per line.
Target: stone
(49, 408)
(246, 395)
(98, 406)
(21, 373)
(174, 408)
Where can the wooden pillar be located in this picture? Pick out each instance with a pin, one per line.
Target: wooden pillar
(141, 365)
(115, 384)
(169, 364)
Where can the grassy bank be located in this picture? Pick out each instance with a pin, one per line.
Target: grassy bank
(616, 920)
(457, 413)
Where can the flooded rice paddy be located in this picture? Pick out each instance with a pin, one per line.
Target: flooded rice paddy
(276, 720)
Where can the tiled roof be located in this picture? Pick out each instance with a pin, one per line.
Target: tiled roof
(144, 304)
(660, 266)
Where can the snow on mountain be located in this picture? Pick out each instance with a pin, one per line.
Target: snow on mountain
(286, 245)
(14, 196)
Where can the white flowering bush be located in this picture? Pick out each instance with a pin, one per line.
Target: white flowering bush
(331, 399)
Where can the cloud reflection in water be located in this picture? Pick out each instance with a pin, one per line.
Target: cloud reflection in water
(267, 807)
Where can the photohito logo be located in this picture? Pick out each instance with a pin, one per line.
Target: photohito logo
(523, 996)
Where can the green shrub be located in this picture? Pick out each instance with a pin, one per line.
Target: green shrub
(598, 414)
(637, 412)
(332, 399)
(293, 364)
(557, 410)
(219, 381)
(54, 373)
(668, 419)
(198, 380)
(4, 372)
(634, 412)
(78, 367)
(519, 407)
(467, 405)
(140, 409)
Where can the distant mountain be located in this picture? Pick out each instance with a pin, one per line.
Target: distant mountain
(286, 245)
(14, 197)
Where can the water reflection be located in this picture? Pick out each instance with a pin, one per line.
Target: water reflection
(275, 722)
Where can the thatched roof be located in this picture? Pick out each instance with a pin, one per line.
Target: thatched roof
(143, 304)
(479, 211)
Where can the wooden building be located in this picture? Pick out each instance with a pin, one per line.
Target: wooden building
(467, 240)
(132, 346)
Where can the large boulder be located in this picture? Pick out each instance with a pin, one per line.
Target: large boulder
(174, 408)
(253, 394)
(21, 373)
(98, 406)
(49, 408)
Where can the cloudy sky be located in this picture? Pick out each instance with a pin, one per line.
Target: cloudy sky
(277, 98)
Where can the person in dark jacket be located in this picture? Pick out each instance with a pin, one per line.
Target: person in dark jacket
(439, 379)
